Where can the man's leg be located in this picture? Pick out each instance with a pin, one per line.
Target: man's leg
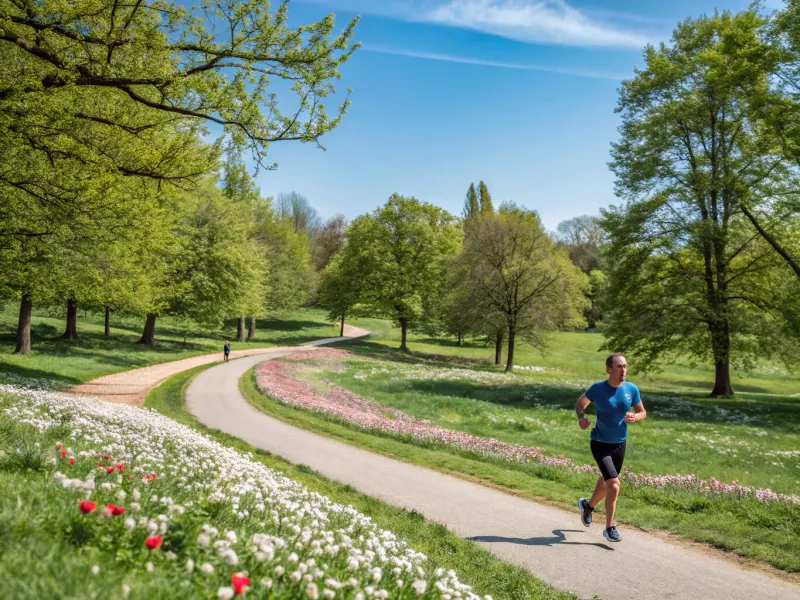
(612, 492)
(599, 492)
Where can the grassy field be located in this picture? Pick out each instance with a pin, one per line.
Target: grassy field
(753, 439)
(475, 566)
(63, 363)
(575, 356)
(71, 530)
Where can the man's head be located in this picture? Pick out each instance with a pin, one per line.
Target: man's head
(616, 367)
(226, 341)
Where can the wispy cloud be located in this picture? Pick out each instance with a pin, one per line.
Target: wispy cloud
(493, 63)
(533, 21)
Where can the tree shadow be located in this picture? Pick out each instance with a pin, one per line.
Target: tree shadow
(558, 538)
(380, 351)
(51, 378)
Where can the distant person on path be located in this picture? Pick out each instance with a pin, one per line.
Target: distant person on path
(613, 398)
(227, 350)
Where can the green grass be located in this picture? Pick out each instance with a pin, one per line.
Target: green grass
(474, 565)
(577, 356)
(63, 363)
(536, 410)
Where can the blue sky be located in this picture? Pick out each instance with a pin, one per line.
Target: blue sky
(518, 93)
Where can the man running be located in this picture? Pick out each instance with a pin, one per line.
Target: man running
(227, 350)
(613, 398)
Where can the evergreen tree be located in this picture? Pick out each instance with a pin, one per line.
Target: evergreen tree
(487, 207)
(471, 204)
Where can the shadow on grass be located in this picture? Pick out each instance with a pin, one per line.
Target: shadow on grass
(558, 538)
(49, 376)
(380, 351)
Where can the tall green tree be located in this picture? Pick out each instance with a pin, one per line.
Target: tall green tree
(472, 207)
(240, 188)
(519, 274)
(485, 199)
(341, 287)
(688, 270)
(91, 92)
(291, 274)
(211, 266)
(403, 247)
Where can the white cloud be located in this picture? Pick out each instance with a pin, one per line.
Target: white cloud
(541, 21)
(494, 63)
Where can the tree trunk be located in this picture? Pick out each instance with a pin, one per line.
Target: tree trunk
(498, 348)
(240, 329)
(71, 332)
(722, 380)
(24, 326)
(720, 349)
(460, 337)
(403, 334)
(341, 327)
(149, 334)
(107, 330)
(510, 358)
(251, 329)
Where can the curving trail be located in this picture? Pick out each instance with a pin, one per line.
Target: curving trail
(549, 542)
(132, 387)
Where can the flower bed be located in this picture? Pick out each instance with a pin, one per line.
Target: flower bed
(277, 378)
(171, 501)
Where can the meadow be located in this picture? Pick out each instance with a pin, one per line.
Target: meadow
(751, 440)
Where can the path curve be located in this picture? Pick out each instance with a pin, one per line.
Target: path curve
(549, 542)
(132, 387)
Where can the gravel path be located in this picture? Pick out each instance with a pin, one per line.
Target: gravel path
(132, 387)
(549, 542)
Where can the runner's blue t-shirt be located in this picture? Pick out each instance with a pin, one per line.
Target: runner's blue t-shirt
(612, 404)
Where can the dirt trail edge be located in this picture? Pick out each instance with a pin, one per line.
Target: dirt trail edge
(549, 542)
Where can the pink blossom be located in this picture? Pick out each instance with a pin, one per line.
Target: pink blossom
(277, 379)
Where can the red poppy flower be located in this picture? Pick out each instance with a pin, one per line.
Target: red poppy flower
(110, 470)
(153, 542)
(239, 583)
(63, 453)
(130, 477)
(58, 445)
(99, 465)
(71, 460)
(113, 511)
(86, 506)
(119, 467)
(106, 457)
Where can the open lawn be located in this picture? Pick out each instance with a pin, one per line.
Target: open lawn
(753, 438)
(62, 363)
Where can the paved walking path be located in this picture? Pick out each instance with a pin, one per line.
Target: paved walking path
(549, 542)
(132, 387)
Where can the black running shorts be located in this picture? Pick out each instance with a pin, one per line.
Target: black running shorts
(609, 458)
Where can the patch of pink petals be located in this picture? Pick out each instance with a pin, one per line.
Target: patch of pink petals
(277, 379)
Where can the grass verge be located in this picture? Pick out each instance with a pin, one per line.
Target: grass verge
(474, 565)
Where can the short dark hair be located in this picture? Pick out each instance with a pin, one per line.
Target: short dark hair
(610, 359)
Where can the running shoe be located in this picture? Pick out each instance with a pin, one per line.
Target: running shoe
(586, 511)
(611, 534)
